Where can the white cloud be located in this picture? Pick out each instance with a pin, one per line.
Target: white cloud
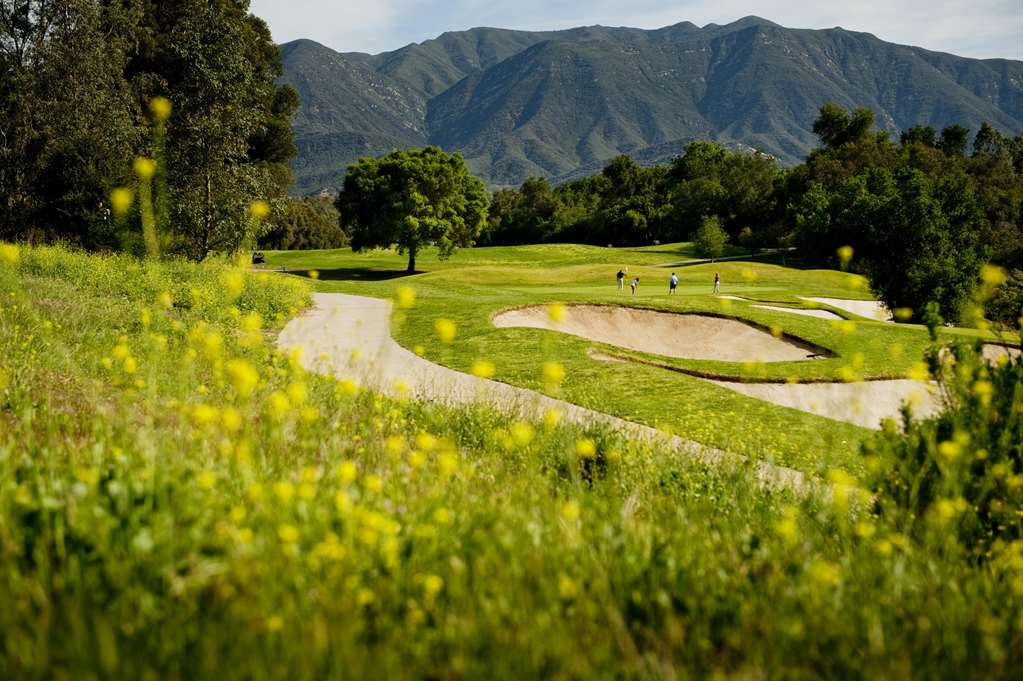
(975, 28)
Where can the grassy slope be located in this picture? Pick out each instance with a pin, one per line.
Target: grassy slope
(159, 522)
(473, 285)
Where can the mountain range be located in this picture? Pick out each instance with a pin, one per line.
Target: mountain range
(559, 104)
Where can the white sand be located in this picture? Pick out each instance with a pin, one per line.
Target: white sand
(865, 403)
(994, 352)
(349, 337)
(820, 314)
(871, 309)
(689, 336)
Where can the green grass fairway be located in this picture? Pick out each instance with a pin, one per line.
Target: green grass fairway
(477, 283)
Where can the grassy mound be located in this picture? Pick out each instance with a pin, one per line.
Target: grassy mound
(177, 500)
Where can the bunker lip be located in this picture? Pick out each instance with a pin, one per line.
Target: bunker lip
(603, 356)
(682, 335)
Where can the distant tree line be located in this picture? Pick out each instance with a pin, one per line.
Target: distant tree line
(628, 204)
(76, 81)
(297, 224)
(922, 214)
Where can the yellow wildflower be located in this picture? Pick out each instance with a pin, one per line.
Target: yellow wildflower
(121, 199)
(483, 368)
(553, 373)
(845, 254)
(145, 168)
(243, 376)
(160, 108)
(585, 448)
(259, 210)
(347, 471)
(405, 296)
(288, 533)
(445, 329)
(522, 433)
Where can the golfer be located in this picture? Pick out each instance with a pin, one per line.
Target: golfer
(635, 285)
(621, 280)
(673, 282)
(717, 283)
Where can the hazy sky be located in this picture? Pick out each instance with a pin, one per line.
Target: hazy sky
(972, 28)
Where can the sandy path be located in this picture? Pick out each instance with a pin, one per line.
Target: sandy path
(820, 314)
(690, 336)
(349, 336)
(871, 309)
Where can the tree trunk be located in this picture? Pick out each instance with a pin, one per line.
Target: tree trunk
(411, 262)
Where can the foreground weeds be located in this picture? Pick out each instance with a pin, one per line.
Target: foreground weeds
(178, 500)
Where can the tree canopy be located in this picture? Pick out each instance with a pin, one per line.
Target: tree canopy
(76, 80)
(410, 199)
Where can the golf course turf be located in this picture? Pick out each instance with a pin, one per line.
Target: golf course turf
(474, 285)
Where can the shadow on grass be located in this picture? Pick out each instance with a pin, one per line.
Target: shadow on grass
(355, 274)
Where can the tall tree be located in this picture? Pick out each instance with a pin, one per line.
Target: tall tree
(412, 198)
(76, 77)
(66, 123)
(218, 66)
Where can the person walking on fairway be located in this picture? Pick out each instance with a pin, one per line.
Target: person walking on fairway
(635, 285)
(717, 283)
(621, 280)
(673, 282)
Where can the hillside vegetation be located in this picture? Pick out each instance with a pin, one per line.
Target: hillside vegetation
(176, 499)
(560, 104)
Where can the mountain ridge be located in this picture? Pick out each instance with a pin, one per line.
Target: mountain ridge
(550, 103)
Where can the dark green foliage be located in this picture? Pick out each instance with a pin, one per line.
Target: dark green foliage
(919, 134)
(302, 224)
(1006, 305)
(922, 217)
(708, 179)
(628, 204)
(957, 475)
(523, 216)
(66, 128)
(77, 78)
(410, 199)
(836, 128)
(953, 140)
(562, 104)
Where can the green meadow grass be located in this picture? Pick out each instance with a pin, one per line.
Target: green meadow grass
(472, 286)
(179, 500)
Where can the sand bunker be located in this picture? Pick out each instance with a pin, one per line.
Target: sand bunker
(690, 336)
(871, 309)
(820, 314)
(993, 352)
(864, 404)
